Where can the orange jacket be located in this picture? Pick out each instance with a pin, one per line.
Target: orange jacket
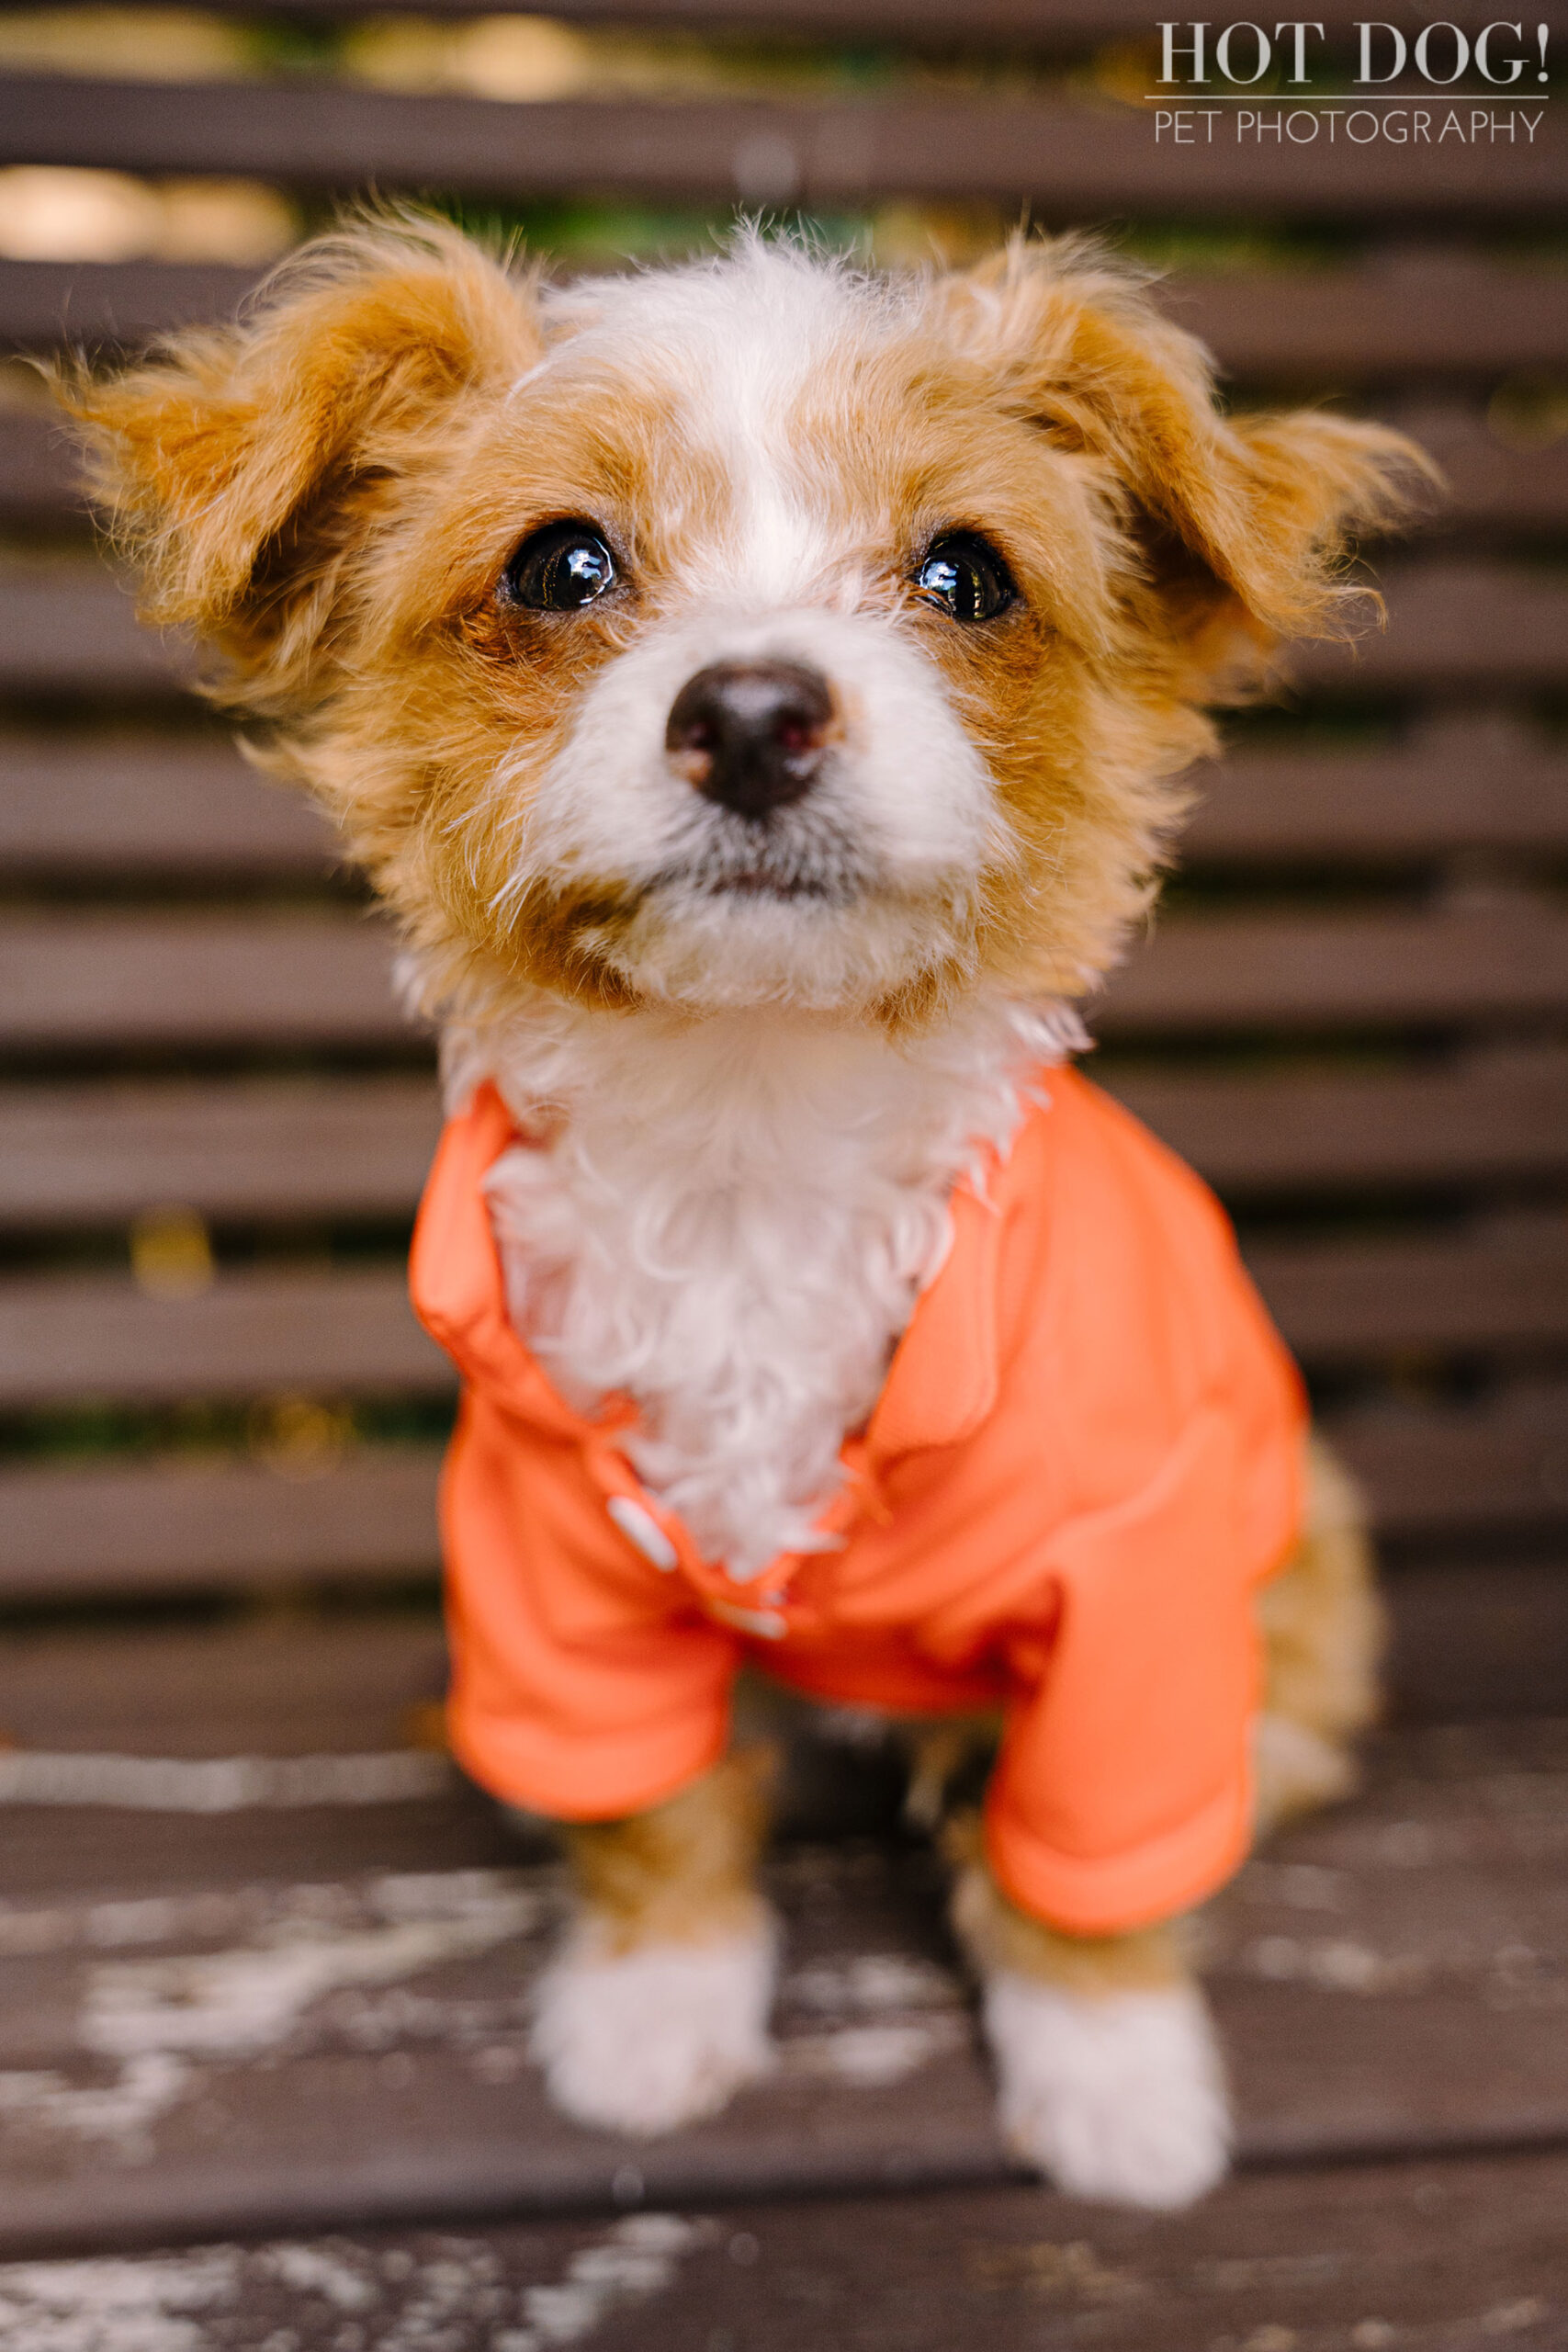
(1086, 1455)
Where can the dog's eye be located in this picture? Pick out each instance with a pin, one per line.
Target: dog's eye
(965, 577)
(559, 569)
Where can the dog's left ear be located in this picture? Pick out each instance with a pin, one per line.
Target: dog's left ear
(1242, 523)
(242, 469)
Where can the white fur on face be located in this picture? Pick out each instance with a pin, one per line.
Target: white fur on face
(873, 877)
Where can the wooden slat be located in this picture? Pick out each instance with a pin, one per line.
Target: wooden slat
(68, 629)
(1440, 1471)
(255, 1330)
(110, 804)
(1335, 1300)
(1486, 482)
(1461, 962)
(95, 303)
(206, 977)
(216, 1526)
(1485, 1118)
(116, 803)
(1481, 783)
(280, 1151)
(204, 1525)
(235, 1152)
(64, 1338)
(1435, 316)
(214, 978)
(1068, 161)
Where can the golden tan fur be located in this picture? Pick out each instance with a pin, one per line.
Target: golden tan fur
(327, 492)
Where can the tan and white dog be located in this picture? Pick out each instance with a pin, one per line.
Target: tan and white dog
(758, 689)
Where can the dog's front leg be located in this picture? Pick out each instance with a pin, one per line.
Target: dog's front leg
(1108, 2077)
(655, 2010)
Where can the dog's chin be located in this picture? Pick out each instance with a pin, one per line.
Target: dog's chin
(757, 935)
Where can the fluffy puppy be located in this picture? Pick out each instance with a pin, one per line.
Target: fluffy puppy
(758, 689)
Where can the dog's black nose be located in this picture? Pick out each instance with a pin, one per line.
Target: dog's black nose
(750, 734)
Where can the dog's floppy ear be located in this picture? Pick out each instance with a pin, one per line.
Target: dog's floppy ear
(1242, 522)
(240, 467)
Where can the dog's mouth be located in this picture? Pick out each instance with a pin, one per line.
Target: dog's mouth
(808, 866)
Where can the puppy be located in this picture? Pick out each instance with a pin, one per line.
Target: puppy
(758, 689)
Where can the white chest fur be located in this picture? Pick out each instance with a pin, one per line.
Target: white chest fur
(729, 1220)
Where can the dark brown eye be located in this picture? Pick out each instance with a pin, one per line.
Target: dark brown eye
(966, 577)
(559, 569)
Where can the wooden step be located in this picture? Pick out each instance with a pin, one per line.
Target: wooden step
(1065, 160)
(1454, 2252)
(1437, 314)
(378, 2069)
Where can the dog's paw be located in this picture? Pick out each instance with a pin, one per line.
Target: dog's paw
(1119, 2096)
(645, 2041)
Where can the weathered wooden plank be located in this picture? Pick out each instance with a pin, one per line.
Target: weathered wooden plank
(1458, 963)
(351, 1330)
(1383, 1981)
(1416, 1293)
(92, 302)
(1434, 316)
(214, 978)
(197, 977)
(1455, 2253)
(1487, 483)
(69, 628)
(114, 802)
(1431, 1470)
(215, 1524)
(1068, 161)
(1479, 783)
(235, 1151)
(1483, 1118)
(278, 1151)
(205, 1525)
(253, 1330)
(1458, 626)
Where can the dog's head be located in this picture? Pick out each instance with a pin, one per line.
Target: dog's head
(752, 631)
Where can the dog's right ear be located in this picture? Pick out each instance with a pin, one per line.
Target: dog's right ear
(241, 469)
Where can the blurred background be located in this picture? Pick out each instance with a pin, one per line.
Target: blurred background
(219, 1428)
